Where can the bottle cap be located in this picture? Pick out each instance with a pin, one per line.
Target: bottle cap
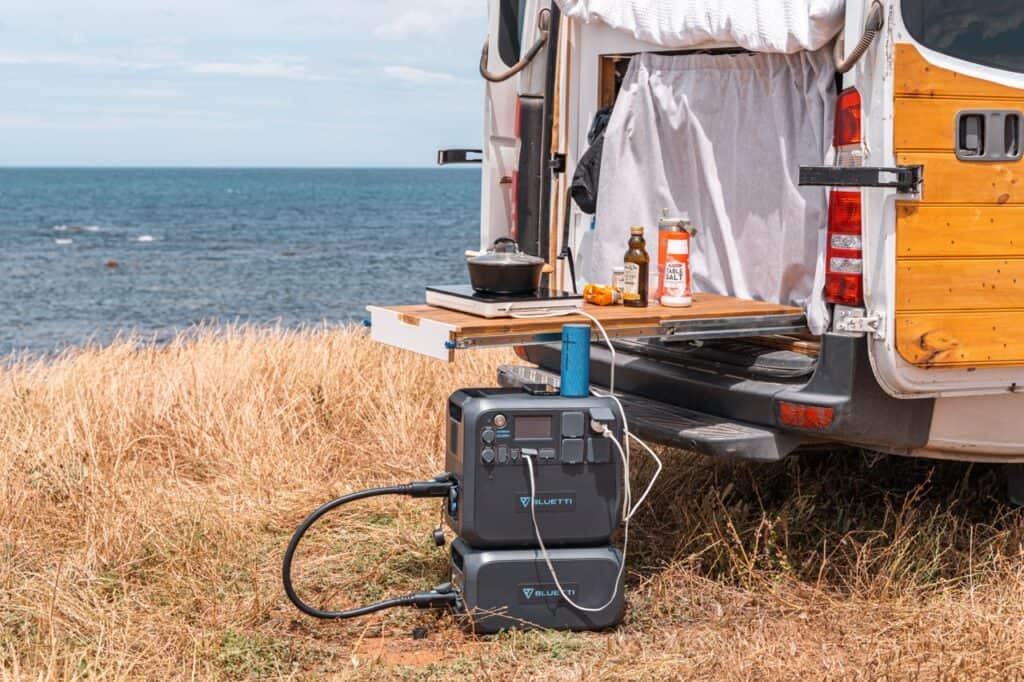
(637, 230)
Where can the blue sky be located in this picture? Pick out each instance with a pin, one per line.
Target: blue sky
(240, 83)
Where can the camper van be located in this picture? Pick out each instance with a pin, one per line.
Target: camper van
(861, 163)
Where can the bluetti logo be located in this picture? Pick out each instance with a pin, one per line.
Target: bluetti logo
(547, 502)
(547, 592)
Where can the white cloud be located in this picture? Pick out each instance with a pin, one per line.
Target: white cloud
(416, 23)
(151, 93)
(288, 67)
(260, 67)
(409, 25)
(410, 74)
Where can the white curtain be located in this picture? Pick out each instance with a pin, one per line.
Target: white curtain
(785, 26)
(721, 138)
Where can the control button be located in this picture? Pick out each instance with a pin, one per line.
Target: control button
(488, 436)
(572, 424)
(599, 450)
(487, 455)
(502, 454)
(500, 421)
(602, 414)
(572, 451)
(546, 453)
(514, 454)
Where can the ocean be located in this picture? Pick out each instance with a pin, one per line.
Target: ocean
(90, 254)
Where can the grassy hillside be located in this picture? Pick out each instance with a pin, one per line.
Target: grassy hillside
(146, 496)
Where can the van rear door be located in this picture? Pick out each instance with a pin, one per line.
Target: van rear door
(513, 108)
(948, 272)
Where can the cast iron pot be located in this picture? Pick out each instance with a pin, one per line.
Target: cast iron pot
(504, 269)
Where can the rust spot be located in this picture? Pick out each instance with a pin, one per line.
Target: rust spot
(1003, 198)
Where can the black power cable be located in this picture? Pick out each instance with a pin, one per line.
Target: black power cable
(441, 596)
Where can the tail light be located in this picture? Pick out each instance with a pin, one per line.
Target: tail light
(846, 128)
(844, 268)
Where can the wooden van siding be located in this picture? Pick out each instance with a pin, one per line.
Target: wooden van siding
(960, 284)
(960, 250)
(917, 78)
(948, 339)
(929, 124)
(959, 231)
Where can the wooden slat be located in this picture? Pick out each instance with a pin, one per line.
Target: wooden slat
(961, 339)
(959, 231)
(961, 284)
(704, 306)
(948, 180)
(930, 124)
(917, 78)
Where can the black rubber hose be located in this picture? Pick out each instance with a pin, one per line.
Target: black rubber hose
(437, 488)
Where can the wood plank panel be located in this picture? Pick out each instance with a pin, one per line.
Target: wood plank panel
(915, 77)
(947, 180)
(959, 231)
(959, 284)
(960, 251)
(948, 339)
(704, 306)
(930, 124)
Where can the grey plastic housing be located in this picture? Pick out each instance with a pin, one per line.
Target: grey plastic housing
(989, 135)
(578, 471)
(513, 589)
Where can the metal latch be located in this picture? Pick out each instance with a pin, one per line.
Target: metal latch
(855, 321)
(906, 179)
(449, 156)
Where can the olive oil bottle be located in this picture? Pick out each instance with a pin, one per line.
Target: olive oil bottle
(637, 264)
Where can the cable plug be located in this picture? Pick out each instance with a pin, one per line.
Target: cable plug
(439, 487)
(599, 427)
(439, 597)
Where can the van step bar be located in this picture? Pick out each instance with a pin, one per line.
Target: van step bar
(679, 427)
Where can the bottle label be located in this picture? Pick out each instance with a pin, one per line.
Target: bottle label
(631, 282)
(676, 279)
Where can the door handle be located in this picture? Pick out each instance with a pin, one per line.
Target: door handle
(988, 135)
(543, 25)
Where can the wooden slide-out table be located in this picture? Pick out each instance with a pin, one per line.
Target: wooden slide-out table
(438, 333)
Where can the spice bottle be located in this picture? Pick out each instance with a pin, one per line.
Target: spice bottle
(636, 266)
(674, 261)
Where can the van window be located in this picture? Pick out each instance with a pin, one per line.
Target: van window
(986, 32)
(510, 30)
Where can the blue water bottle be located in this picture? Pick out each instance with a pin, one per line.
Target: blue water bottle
(575, 360)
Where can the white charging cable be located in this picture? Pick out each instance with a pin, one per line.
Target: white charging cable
(628, 508)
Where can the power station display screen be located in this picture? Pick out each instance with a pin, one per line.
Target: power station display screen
(532, 427)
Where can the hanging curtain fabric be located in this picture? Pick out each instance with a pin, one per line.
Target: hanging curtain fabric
(721, 138)
(784, 26)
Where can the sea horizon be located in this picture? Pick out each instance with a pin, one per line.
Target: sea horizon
(98, 252)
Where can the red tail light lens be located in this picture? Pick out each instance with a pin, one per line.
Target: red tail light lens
(846, 129)
(844, 267)
(806, 416)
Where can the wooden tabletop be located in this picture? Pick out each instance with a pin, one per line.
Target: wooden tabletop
(615, 316)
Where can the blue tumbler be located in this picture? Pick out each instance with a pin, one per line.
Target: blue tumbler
(575, 360)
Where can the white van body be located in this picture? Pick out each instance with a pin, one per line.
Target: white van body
(975, 409)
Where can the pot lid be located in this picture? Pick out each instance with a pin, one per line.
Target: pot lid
(506, 252)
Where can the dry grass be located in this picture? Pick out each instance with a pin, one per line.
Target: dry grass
(147, 495)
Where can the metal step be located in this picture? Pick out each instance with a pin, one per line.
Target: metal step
(679, 427)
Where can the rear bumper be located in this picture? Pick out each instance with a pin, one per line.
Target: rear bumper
(843, 381)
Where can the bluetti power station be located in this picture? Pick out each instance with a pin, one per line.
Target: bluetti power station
(535, 491)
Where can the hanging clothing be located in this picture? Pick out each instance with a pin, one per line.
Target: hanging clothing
(721, 138)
